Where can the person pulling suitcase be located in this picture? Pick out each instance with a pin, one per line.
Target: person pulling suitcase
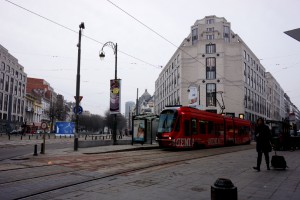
(263, 143)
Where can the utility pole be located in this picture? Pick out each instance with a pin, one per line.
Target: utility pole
(81, 26)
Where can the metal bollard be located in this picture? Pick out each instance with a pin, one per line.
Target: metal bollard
(8, 137)
(21, 137)
(42, 148)
(223, 189)
(75, 144)
(95, 137)
(37, 137)
(85, 137)
(29, 137)
(35, 150)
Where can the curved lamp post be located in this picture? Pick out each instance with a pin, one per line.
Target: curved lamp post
(102, 55)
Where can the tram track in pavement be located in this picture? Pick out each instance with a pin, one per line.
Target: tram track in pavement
(176, 158)
(18, 158)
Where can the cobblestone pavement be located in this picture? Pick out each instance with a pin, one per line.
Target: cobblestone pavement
(149, 174)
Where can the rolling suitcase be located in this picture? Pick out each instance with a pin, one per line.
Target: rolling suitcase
(278, 162)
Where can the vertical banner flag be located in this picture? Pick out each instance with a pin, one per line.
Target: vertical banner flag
(193, 96)
(115, 96)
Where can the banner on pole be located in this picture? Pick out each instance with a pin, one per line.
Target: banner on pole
(115, 96)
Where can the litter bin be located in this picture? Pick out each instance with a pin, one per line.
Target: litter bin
(223, 189)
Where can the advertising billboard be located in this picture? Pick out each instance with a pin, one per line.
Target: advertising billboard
(64, 127)
(193, 96)
(115, 96)
(139, 128)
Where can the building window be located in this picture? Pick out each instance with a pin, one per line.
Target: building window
(211, 94)
(11, 84)
(211, 29)
(19, 106)
(20, 88)
(194, 36)
(245, 72)
(5, 102)
(210, 48)
(226, 34)
(2, 66)
(210, 37)
(6, 83)
(16, 87)
(1, 81)
(14, 105)
(1, 100)
(245, 54)
(210, 21)
(210, 68)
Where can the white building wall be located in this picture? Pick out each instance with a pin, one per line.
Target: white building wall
(240, 94)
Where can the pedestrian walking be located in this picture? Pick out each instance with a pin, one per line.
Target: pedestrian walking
(263, 143)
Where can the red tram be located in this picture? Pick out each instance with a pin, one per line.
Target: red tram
(186, 127)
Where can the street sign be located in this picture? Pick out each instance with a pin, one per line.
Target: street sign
(80, 98)
(80, 110)
(44, 125)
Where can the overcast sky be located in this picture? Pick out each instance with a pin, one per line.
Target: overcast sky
(49, 51)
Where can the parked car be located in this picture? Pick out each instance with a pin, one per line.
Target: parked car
(15, 132)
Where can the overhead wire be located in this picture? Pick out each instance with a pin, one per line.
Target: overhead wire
(74, 31)
(164, 38)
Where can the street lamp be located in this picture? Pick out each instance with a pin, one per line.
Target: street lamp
(102, 55)
(81, 26)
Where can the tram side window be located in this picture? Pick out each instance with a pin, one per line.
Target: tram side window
(194, 127)
(242, 130)
(229, 128)
(187, 127)
(217, 129)
(177, 127)
(202, 127)
(210, 127)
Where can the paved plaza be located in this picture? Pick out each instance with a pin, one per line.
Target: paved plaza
(185, 179)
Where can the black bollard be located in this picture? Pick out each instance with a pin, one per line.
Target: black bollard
(29, 137)
(95, 137)
(37, 137)
(48, 136)
(223, 189)
(35, 150)
(21, 137)
(75, 144)
(59, 136)
(8, 137)
(42, 148)
(85, 137)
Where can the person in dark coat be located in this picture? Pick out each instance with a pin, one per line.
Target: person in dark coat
(263, 143)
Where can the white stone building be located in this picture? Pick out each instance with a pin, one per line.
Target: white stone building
(12, 90)
(217, 63)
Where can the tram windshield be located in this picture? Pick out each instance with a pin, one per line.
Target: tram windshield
(166, 121)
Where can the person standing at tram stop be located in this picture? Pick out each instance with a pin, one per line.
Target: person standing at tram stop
(263, 143)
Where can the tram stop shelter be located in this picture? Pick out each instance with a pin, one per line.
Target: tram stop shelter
(144, 128)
